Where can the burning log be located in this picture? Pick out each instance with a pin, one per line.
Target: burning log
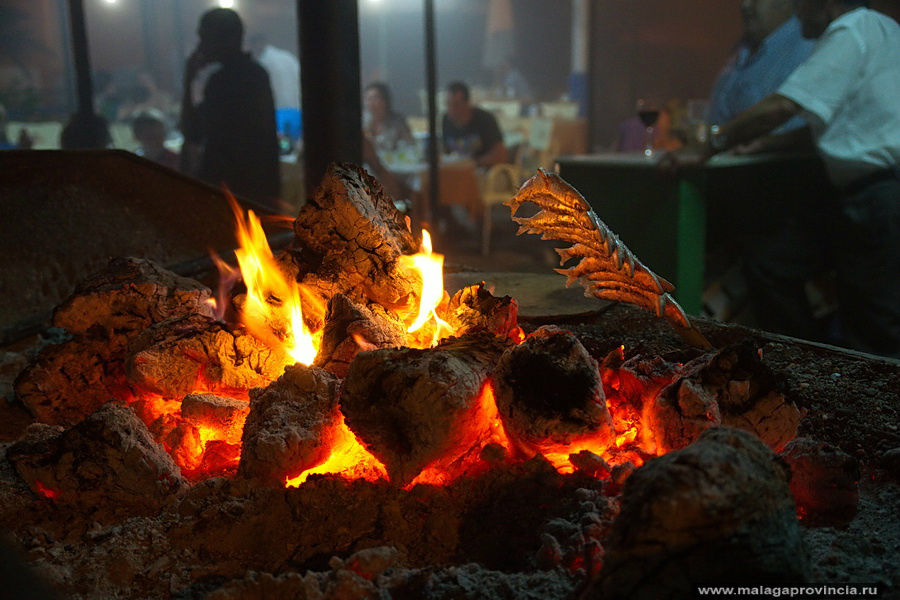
(107, 461)
(415, 408)
(474, 308)
(548, 390)
(731, 387)
(224, 416)
(290, 425)
(349, 237)
(824, 482)
(126, 298)
(726, 495)
(183, 443)
(351, 328)
(178, 356)
(69, 381)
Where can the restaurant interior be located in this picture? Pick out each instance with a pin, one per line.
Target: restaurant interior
(479, 411)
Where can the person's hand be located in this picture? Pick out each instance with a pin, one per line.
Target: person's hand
(756, 146)
(689, 156)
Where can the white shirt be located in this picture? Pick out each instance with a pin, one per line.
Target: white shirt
(849, 90)
(284, 74)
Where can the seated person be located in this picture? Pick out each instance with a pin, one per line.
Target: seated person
(149, 129)
(772, 46)
(471, 131)
(385, 128)
(85, 131)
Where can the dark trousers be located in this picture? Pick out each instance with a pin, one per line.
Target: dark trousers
(857, 235)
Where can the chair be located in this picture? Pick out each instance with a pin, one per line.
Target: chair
(502, 181)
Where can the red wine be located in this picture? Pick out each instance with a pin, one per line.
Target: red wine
(648, 117)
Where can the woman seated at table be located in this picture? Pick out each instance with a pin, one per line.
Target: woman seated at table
(386, 129)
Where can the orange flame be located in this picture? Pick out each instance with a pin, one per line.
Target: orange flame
(272, 310)
(429, 268)
(348, 458)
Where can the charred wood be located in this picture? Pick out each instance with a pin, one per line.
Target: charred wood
(178, 356)
(69, 381)
(290, 425)
(348, 239)
(824, 482)
(109, 462)
(474, 308)
(126, 298)
(351, 328)
(224, 416)
(726, 495)
(413, 407)
(731, 387)
(548, 389)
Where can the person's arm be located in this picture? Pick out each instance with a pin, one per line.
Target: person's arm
(794, 140)
(760, 119)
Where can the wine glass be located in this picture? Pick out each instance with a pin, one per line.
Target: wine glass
(648, 113)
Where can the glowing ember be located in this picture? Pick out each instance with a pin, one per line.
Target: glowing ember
(429, 268)
(348, 458)
(272, 309)
(483, 428)
(45, 491)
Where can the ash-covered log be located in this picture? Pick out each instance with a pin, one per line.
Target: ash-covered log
(824, 482)
(718, 512)
(474, 308)
(224, 417)
(108, 463)
(548, 389)
(414, 407)
(175, 357)
(69, 381)
(291, 425)
(108, 310)
(348, 239)
(730, 387)
(126, 298)
(351, 328)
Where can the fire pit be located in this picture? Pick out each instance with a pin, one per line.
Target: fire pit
(339, 426)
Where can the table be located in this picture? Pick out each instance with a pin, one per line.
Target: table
(458, 179)
(669, 221)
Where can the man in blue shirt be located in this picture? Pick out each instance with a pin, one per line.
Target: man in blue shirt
(771, 48)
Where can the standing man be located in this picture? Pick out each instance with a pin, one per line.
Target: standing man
(471, 131)
(847, 91)
(230, 135)
(772, 46)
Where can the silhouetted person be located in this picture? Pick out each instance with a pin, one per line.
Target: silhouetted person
(149, 129)
(84, 132)
(230, 135)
